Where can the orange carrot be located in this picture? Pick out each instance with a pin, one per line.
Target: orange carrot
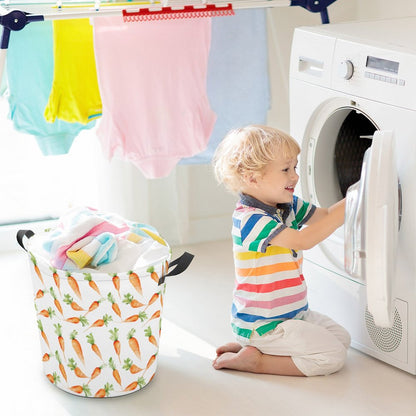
(104, 391)
(96, 372)
(94, 306)
(148, 333)
(133, 343)
(74, 367)
(56, 301)
(116, 342)
(77, 346)
(116, 374)
(154, 316)
(68, 299)
(153, 274)
(94, 347)
(58, 331)
(135, 281)
(116, 282)
(73, 284)
(56, 279)
(50, 378)
(100, 322)
(44, 313)
(129, 366)
(46, 357)
(73, 320)
(91, 283)
(61, 366)
(151, 361)
(76, 389)
(129, 300)
(39, 294)
(131, 386)
(132, 318)
(45, 338)
(153, 299)
(37, 271)
(114, 305)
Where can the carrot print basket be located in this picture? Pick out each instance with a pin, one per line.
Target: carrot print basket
(99, 332)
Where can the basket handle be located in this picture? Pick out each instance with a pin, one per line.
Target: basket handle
(181, 264)
(21, 234)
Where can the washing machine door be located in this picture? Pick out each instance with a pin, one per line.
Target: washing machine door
(372, 224)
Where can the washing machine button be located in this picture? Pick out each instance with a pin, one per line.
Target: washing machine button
(346, 69)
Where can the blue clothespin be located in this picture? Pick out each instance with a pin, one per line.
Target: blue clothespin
(315, 6)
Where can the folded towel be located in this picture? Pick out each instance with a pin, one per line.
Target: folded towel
(86, 237)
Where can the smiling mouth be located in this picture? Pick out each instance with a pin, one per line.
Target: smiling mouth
(290, 188)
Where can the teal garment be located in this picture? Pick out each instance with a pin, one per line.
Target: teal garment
(30, 75)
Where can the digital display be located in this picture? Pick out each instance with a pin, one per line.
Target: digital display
(382, 64)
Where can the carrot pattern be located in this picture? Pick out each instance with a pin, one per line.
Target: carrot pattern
(105, 391)
(134, 344)
(148, 333)
(94, 347)
(101, 322)
(42, 333)
(114, 305)
(152, 300)
(58, 331)
(116, 342)
(135, 281)
(81, 389)
(73, 284)
(61, 366)
(53, 378)
(77, 346)
(116, 283)
(153, 275)
(133, 386)
(56, 279)
(73, 366)
(35, 265)
(116, 374)
(129, 300)
(56, 301)
(130, 366)
(91, 283)
(70, 301)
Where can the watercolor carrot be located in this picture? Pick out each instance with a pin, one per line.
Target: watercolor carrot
(58, 331)
(92, 284)
(134, 344)
(105, 391)
(54, 378)
(152, 300)
(96, 372)
(148, 333)
(77, 346)
(74, 367)
(46, 357)
(116, 282)
(35, 265)
(135, 281)
(101, 322)
(42, 333)
(81, 389)
(116, 374)
(132, 318)
(94, 305)
(130, 366)
(154, 316)
(114, 305)
(153, 275)
(39, 294)
(116, 342)
(133, 386)
(73, 284)
(94, 347)
(129, 300)
(61, 366)
(56, 279)
(56, 301)
(69, 300)
(76, 320)
(151, 361)
(47, 313)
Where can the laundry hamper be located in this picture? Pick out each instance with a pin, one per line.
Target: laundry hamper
(99, 332)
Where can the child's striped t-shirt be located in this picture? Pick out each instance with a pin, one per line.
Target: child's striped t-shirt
(269, 286)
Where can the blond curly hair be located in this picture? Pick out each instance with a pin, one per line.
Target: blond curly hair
(248, 150)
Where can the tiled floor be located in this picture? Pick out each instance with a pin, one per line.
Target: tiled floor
(195, 321)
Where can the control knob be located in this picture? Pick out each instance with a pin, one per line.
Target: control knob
(346, 69)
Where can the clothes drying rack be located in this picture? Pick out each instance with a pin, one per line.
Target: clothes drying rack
(15, 16)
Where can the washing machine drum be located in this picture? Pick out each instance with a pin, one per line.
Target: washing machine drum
(353, 139)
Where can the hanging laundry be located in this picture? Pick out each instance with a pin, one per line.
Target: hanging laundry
(29, 75)
(152, 79)
(74, 96)
(238, 79)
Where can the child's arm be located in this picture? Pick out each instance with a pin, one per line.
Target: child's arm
(321, 225)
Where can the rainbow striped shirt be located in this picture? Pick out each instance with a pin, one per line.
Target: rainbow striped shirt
(269, 286)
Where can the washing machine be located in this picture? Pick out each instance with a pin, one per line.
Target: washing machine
(353, 111)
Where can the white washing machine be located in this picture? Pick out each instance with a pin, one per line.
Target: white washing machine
(353, 111)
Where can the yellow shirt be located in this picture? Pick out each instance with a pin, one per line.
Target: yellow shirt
(75, 96)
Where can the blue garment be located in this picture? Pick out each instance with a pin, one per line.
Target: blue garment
(30, 75)
(238, 78)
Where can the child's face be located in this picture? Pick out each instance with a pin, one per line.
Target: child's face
(277, 184)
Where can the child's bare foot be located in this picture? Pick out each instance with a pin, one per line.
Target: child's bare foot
(242, 359)
(230, 347)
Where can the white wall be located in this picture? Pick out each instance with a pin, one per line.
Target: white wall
(189, 206)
